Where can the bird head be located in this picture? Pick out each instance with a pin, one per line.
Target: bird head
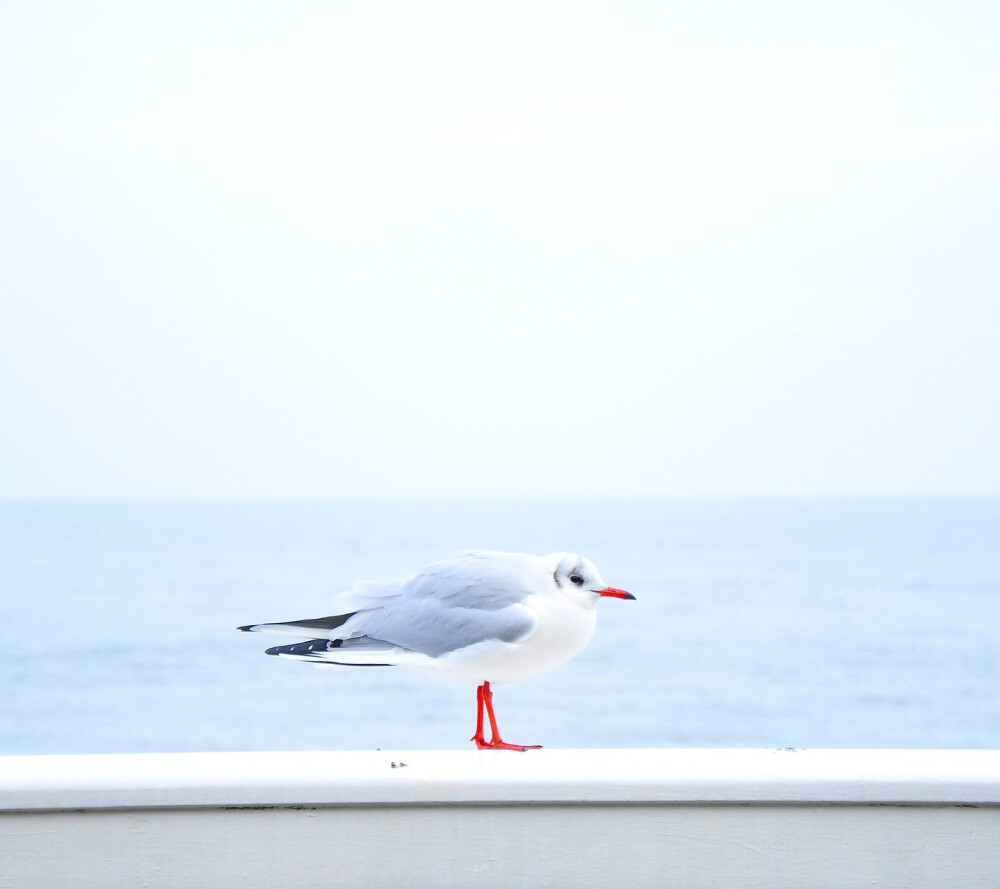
(575, 574)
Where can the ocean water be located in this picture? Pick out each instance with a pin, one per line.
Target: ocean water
(778, 623)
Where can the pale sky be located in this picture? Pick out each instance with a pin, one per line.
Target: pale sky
(456, 249)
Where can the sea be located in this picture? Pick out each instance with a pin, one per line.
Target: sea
(757, 623)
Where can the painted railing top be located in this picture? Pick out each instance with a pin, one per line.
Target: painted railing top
(432, 777)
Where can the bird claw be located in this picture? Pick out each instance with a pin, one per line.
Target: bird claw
(483, 744)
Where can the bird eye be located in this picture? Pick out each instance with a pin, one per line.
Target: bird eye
(576, 579)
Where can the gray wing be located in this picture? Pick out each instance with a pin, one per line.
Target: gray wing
(437, 629)
(475, 597)
(453, 604)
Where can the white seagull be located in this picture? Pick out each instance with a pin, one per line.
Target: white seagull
(480, 617)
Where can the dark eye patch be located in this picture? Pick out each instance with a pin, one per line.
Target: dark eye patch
(576, 579)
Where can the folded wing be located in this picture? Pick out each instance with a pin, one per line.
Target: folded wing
(451, 605)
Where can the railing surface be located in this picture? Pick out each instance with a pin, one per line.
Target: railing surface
(686, 818)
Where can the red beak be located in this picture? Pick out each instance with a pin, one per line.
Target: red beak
(613, 593)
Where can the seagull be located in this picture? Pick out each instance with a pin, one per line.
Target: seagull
(480, 617)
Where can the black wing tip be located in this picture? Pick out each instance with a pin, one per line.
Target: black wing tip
(304, 648)
(322, 623)
(310, 624)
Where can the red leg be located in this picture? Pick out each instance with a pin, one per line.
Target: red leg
(484, 698)
(478, 737)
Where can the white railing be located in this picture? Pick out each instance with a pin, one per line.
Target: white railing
(621, 818)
